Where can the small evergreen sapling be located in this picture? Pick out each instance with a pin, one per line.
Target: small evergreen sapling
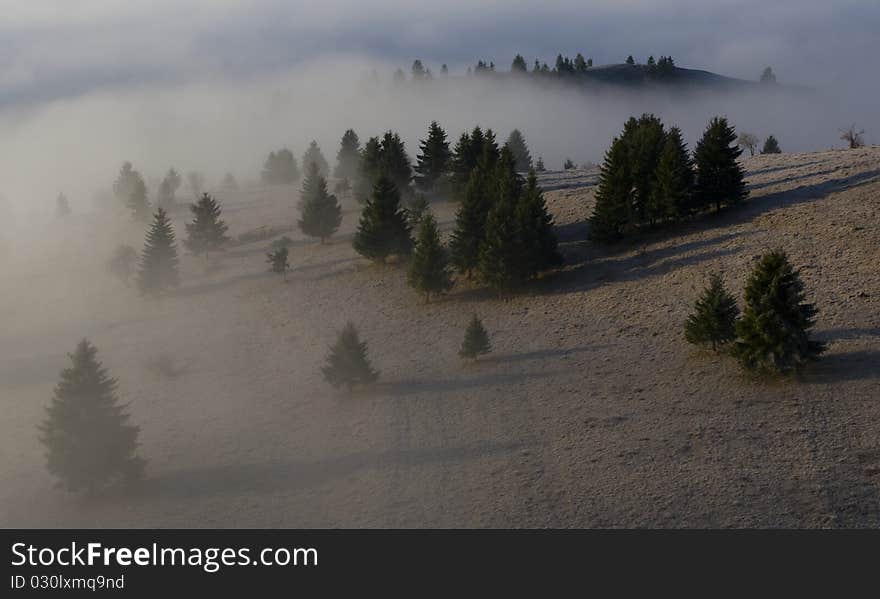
(89, 441)
(714, 318)
(429, 268)
(206, 233)
(476, 340)
(277, 261)
(771, 146)
(347, 363)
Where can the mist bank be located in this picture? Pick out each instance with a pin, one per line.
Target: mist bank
(229, 124)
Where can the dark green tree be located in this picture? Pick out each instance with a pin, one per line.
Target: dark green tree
(476, 340)
(773, 334)
(159, 262)
(714, 318)
(539, 166)
(720, 178)
(207, 232)
(517, 144)
(673, 180)
(383, 229)
(280, 168)
(613, 195)
(771, 146)
(433, 161)
(644, 139)
(277, 261)
(470, 222)
(630, 60)
(89, 441)
(348, 157)
(429, 267)
(313, 155)
(518, 65)
(580, 64)
(386, 157)
(347, 363)
(537, 238)
(320, 212)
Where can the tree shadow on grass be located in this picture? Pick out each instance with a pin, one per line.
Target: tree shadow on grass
(404, 388)
(858, 365)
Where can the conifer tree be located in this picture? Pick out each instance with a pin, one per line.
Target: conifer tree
(517, 144)
(123, 263)
(167, 189)
(321, 214)
(383, 229)
(383, 157)
(433, 159)
(348, 157)
(470, 222)
(518, 65)
(720, 178)
(347, 363)
(538, 241)
(62, 206)
(429, 268)
(206, 233)
(714, 318)
(229, 183)
(277, 261)
(539, 166)
(476, 340)
(280, 168)
(630, 60)
(613, 195)
(773, 333)
(158, 267)
(771, 146)
(644, 139)
(313, 155)
(125, 182)
(89, 441)
(673, 179)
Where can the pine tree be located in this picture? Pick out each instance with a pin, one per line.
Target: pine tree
(673, 180)
(167, 189)
(773, 333)
(613, 195)
(348, 157)
(714, 318)
(538, 241)
(433, 160)
(630, 60)
(517, 144)
(470, 222)
(539, 166)
(229, 183)
(644, 140)
(383, 230)
(313, 155)
(206, 233)
(476, 340)
(321, 214)
(518, 65)
(280, 168)
(158, 267)
(125, 182)
(89, 441)
(123, 263)
(62, 206)
(429, 268)
(771, 146)
(277, 261)
(347, 363)
(386, 157)
(720, 178)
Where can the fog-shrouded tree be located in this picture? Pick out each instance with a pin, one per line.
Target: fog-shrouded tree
(852, 137)
(539, 165)
(384, 157)
(277, 261)
(477, 149)
(773, 335)
(131, 190)
(348, 156)
(768, 76)
(320, 213)
(568, 165)
(713, 321)
(673, 181)
(429, 267)
(771, 146)
(347, 363)
(125, 182)
(90, 443)
(229, 183)
(383, 229)
(476, 340)
(432, 163)
(519, 65)
(720, 180)
(517, 144)
(748, 141)
(207, 232)
(123, 263)
(418, 70)
(280, 168)
(613, 195)
(167, 189)
(313, 155)
(195, 181)
(62, 206)
(158, 270)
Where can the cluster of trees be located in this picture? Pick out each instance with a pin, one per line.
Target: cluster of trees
(649, 178)
(281, 168)
(750, 142)
(772, 334)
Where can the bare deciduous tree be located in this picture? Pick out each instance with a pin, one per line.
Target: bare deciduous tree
(748, 141)
(853, 137)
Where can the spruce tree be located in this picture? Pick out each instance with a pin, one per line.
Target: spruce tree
(167, 189)
(89, 441)
(720, 178)
(383, 229)
(206, 233)
(470, 222)
(313, 155)
(321, 214)
(537, 238)
(158, 267)
(644, 140)
(502, 263)
(517, 144)
(613, 195)
(771, 146)
(773, 333)
(518, 65)
(429, 267)
(137, 200)
(386, 157)
(673, 180)
(476, 340)
(277, 261)
(229, 183)
(433, 159)
(714, 318)
(280, 168)
(348, 157)
(347, 363)
(539, 166)
(123, 263)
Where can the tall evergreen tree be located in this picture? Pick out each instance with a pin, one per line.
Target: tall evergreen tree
(518, 65)
(207, 232)
(125, 182)
(613, 195)
(137, 200)
(539, 166)
(386, 157)
(321, 214)
(517, 144)
(313, 155)
(771, 146)
(89, 441)
(347, 363)
(168, 188)
(714, 318)
(280, 168)
(773, 333)
(720, 178)
(158, 267)
(470, 222)
(673, 180)
(433, 159)
(277, 261)
(476, 340)
(644, 139)
(348, 156)
(123, 263)
(383, 229)
(539, 244)
(429, 267)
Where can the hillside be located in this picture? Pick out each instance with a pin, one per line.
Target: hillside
(592, 411)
